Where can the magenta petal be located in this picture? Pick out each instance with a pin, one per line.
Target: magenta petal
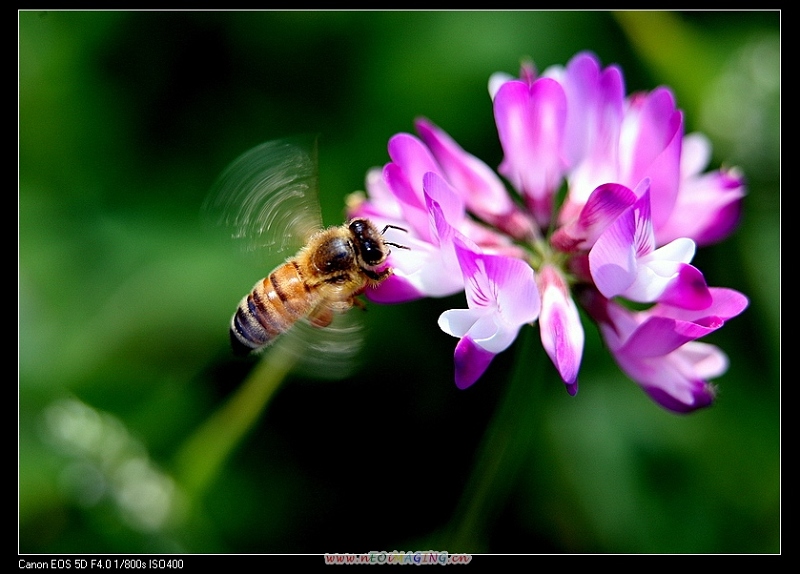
(656, 151)
(580, 82)
(471, 362)
(612, 260)
(411, 206)
(479, 186)
(394, 289)
(413, 158)
(659, 336)
(708, 208)
(560, 326)
(688, 291)
(723, 224)
(563, 351)
(703, 395)
(595, 98)
(604, 205)
(730, 184)
(437, 189)
(726, 304)
(397, 181)
(530, 122)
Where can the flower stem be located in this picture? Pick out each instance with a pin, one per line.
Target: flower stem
(505, 447)
(199, 460)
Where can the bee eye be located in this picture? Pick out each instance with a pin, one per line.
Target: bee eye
(368, 242)
(371, 252)
(358, 227)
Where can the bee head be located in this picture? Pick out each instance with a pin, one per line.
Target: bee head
(369, 242)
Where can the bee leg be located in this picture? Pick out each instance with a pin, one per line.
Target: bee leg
(378, 276)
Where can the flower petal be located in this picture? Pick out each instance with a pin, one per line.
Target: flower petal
(688, 290)
(471, 361)
(458, 322)
(612, 260)
(604, 206)
(650, 146)
(478, 185)
(678, 381)
(725, 304)
(708, 208)
(413, 158)
(595, 104)
(451, 204)
(394, 289)
(659, 336)
(530, 121)
(517, 293)
(560, 326)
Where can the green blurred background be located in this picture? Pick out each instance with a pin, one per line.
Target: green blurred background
(126, 119)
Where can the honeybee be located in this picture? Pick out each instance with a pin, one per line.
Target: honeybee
(330, 271)
(269, 193)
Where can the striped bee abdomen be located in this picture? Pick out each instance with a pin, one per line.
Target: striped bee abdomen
(273, 305)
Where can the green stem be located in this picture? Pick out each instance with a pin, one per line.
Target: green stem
(506, 445)
(202, 455)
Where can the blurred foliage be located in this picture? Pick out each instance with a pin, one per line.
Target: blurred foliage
(126, 119)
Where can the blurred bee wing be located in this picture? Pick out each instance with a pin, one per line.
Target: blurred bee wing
(330, 352)
(267, 196)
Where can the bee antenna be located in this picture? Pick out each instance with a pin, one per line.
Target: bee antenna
(389, 226)
(397, 245)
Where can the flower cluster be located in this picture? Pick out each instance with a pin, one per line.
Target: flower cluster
(635, 206)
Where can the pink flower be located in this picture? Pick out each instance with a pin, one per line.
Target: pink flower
(636, 208)
(624, 261)
(657, 348)
(501, 298)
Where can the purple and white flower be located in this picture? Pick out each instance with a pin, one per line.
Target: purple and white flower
(637, 206)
